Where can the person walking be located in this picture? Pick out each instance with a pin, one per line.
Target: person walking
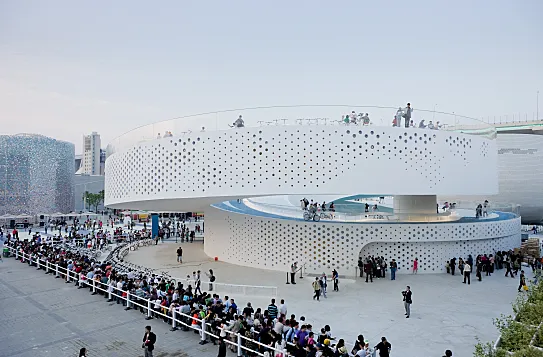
(335, 278)
(467, 273)
(211, 278)
(149, 340)
(508, 270)
(383, 347)
(407, 301)
(197, 283)
(83, 352)
(415, 265)
(522, 280)
(393, 268)
(222, 347)
(316, 289)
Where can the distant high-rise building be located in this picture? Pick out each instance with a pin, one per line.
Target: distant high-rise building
(90, 160)
(102, 162)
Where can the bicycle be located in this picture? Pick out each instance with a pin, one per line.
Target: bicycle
(327, 215)
(311, 216)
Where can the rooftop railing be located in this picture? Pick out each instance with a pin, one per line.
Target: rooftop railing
(299, 115)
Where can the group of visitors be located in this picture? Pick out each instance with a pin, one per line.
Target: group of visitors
(487, 264)
(482, 209)
(376, 267)
(271, 327)
(356, 119)
(320, 285)
(307, 205)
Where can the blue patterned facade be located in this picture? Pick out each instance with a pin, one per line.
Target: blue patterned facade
(36, 175)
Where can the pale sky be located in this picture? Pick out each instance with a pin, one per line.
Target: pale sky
(71, 67)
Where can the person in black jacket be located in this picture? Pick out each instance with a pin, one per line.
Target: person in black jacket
(407, 301)
(222, 347)
(149, 340)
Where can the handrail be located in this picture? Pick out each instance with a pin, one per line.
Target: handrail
(270, 290)
(295, 115)
(133, 301)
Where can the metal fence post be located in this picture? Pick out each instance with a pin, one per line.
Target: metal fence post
(93, 287)
(127, 300)
(149, 314)
(17, 254)
(67, 276)
(56, 272)
(240, 350)
(203, 340)
(174, 328)
(109, 297)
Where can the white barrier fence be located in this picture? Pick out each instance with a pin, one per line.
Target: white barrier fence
(238, 289)
(132, 301)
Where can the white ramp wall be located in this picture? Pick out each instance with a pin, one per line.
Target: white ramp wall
(275, 244)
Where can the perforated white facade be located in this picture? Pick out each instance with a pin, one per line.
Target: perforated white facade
(274, 160)
(275, 244)
(194, 170)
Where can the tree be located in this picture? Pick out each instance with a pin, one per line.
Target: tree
(93, 199)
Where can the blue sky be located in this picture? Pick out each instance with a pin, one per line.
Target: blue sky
(72, 67)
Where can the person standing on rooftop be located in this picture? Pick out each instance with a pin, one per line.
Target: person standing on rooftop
(407, 114)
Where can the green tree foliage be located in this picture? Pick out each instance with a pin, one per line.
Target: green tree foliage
(93, 199)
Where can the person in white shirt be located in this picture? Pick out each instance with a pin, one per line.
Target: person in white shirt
(485, 208)
(283, 308)
(398, 117)
(467, 273)
(352, 117)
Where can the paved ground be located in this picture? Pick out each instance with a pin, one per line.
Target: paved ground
(446, 314)
(43, 316)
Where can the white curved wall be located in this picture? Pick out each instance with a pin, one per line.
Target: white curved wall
(274, 244)
(282, 160)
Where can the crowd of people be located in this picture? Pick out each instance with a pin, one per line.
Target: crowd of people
(307, 205)
(486, 264)
(272, 327)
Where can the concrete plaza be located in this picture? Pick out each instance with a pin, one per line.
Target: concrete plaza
(446, 314)
(43, 316)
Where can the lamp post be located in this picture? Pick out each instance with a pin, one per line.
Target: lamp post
(537, 106)
(434, 117)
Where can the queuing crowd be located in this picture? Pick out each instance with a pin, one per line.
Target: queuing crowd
(273, 328)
